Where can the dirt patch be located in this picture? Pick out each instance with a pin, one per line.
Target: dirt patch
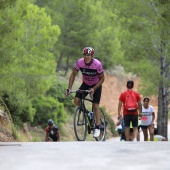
(112, 88)
(6, 136)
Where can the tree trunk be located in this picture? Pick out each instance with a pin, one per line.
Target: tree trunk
(58, 68)
(67, 66)
(162, 121)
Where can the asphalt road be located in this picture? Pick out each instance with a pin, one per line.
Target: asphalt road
(109, 155)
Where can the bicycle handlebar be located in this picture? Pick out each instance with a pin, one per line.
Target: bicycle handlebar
(81, 91)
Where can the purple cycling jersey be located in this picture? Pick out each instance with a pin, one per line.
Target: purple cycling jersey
(90, 73)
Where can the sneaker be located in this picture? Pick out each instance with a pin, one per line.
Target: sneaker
(96, 133)
(134, 140)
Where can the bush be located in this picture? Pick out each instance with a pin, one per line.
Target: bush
(48, 108)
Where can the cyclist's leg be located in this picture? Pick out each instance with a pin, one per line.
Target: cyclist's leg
(96, 101)
(77, 101)
(78, 95)
(97, 113)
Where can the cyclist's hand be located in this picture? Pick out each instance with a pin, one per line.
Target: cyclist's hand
(68, 92)
(91, 91)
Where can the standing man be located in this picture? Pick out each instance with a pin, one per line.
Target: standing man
(131, 101)
(93, 77)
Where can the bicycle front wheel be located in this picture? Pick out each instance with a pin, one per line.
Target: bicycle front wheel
(80, 124)
(102, 127)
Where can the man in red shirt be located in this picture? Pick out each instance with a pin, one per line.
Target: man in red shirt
(130, 115)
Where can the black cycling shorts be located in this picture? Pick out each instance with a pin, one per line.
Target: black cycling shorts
(144, 127)
(96, 95)
(131, 118)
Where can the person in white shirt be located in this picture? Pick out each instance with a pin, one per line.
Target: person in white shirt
(147, 120)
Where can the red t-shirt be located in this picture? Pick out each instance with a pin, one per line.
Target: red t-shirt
(122, 98)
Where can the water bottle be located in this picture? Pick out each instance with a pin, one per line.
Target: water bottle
(90, 116)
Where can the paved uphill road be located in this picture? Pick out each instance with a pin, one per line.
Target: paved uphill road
(110, 155)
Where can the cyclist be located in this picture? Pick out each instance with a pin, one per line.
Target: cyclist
(93, 77)
(52, 132)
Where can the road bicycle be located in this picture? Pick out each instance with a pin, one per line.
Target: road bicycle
(84, 120)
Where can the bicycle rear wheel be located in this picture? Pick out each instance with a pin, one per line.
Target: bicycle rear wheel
(102, 127)
(80, 124)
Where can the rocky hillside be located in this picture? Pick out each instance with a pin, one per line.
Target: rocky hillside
(114, 84)
(5, 133)
(112, 87)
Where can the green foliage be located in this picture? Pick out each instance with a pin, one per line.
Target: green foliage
(57, 91)
(6, 3)
(48, 108)
(20, 112)
(84, 23)
(36, 38)
(27, 65)
(144, 33)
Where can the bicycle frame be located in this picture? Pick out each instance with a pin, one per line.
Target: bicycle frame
(83, 107)
(81, 113)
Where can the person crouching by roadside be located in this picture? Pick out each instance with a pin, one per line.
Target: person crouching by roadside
(52, 132)
(158, 137)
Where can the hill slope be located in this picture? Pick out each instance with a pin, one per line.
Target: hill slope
(112, 87)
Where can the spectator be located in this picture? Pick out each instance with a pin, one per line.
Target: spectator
(119, 126)
(158, 137)
(52, 132)
(147, 119)
(131, 101)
